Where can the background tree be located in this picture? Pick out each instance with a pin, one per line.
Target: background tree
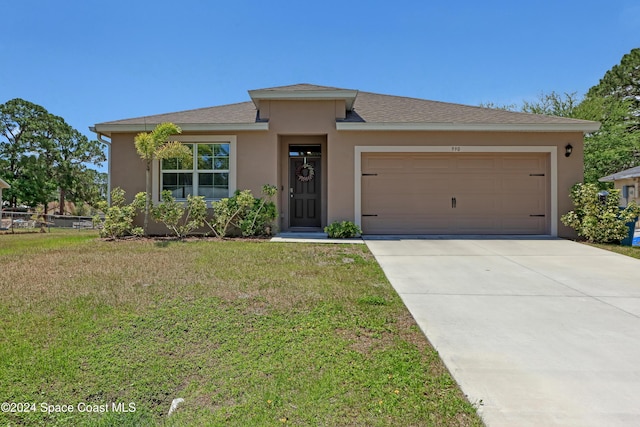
(554, 104)
(40, 153)
(615, 103)
(156, 145)
(35, 186)
(622, 82)
(90, 187)
(68, 152)
(20, 120)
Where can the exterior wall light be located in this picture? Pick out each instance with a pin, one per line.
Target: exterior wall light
(567, 150)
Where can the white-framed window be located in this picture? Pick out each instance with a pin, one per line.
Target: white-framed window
(210, 172)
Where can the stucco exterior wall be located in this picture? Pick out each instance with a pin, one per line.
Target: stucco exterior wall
(634, 182)
(262, 156)
(341, 149)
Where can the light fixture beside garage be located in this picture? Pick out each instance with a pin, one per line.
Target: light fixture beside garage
(567, 150)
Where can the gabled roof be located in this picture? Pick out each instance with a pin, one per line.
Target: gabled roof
(3, 184)
(365, 111)
(625, 174)
(304, 91)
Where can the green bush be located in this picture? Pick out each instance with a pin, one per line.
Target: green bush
(599, 219)
(244, 214)
(342, 230)
(118, 220)
(178, 218)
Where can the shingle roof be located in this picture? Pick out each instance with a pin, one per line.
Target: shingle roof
(302, 87)
(625, 174)
(368, 108)
(244, 112)
(377, 108)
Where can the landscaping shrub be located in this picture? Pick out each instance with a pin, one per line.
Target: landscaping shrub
(597, 217)
(118, 221)
(244, 214)
(178, 218)
(342, 230)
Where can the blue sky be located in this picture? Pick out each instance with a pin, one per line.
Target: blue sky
(92, 61)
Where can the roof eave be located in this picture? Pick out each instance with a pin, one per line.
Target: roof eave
(108, 128)
(348, 95)
(586, 127)
(618, 177)
(4, 184)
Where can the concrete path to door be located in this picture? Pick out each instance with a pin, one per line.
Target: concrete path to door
(537, 332)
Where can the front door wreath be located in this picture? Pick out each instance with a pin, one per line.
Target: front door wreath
(305, 172)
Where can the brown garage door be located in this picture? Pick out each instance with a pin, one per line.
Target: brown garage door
(459, 193)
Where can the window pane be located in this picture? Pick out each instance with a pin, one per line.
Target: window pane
(222, 163)
(220, 185)
(177, 164)
(221, 150)
(205, 156)
(180, 184)
(169, 163)
(205, 185)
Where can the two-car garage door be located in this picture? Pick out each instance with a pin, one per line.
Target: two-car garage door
(455, 193)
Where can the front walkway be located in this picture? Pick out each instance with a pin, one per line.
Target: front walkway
(311, 237)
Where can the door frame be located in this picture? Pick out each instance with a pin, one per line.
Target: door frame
(284, 141)
(551, 150)
(317, 160)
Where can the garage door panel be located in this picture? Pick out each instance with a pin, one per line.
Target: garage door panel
(521, 163)
(472, 165)
(384, 163)
(425, 162)
(522, 185)
(436, 193)
(406, 224)
(410, 207)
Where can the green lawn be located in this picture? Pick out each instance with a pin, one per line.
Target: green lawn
(249, 333)
(632, 251)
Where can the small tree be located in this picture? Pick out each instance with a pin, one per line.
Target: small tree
(597, 216)
(228, 212)
(178, 219)
(156, 145)
(259, 218)
(244, 213)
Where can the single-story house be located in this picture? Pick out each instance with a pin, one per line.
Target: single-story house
(3, 184)
(627, 182)
(392, 164)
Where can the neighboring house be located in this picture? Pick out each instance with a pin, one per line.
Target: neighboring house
(627, 182)
(394, 165)
(3, 184)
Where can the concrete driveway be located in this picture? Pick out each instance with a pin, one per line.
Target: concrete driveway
(537, 332)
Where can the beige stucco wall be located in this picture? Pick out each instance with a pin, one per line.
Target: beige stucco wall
(341, 159)
(635, 182)
(262, 155)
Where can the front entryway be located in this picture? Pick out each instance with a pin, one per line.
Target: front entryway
(305, 194)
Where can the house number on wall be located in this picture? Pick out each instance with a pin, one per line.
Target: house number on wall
(455, 148)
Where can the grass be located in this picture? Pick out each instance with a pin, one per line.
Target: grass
(632, 251)
(248, 333)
